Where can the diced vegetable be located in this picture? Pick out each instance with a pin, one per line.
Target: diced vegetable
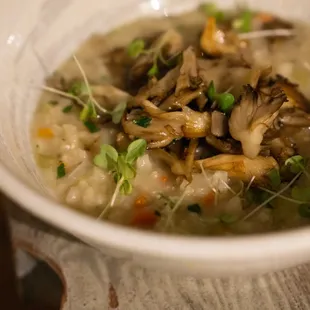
(45, 133)
(244, 22)
(144, 218)
(228, 218)
(140, 201)
(209, 198)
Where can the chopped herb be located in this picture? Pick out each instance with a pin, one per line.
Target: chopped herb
(91, 126)
(118, 112)
(300, 193)
(296, 163)
(244, 22)
(210, 9)
(274, 178)
(53, 102)
(157, 213)
(225, 101)
(135, 48)
(61, 171)
(88, 111)
(67, 109)
(304, 210)
(143, 121)
(78, 88)
(211, 91)
(227, 218)
(153, 71)
(195, 208)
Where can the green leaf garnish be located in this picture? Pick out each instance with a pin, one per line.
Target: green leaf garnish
(227, 218)
(91, 126)
(121, 165)
(153, 71)
(195, 208)
(87, 112)
(304, 210)
(244, 22)
(107, 158)
(68, 108)
(118, 112)
(135, 150)
(225, 102)
(143, 121)
(274, 178)
(61, 171)
(296, 163)
(126, 188)
(135, 48)
(211, 91)
(53, 102)
(210, 9)
(300, 193)
(78, 89)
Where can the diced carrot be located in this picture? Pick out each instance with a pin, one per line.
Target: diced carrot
(209, 198)
(140, 201)
(144, 217)
(45, 133)
(265, 17)
(164, 179)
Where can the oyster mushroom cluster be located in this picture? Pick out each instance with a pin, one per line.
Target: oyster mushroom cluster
(209, 107)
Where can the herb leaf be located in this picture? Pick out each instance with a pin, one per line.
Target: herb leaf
(195, 208)
(143, 121)
(135, 48)
(126, 188)
(211, 91)
(67, 109)
(304, 210)
(87, 112)
(78, 89)
(227, 218)
(61, 170)
(300, 193)
(118, 112)
(135, 149)
(91, 126)
(210, 9)
(107, 159)
(296, 163)
(154, 70)
(244, 22)
(225, 102)
(124, 168)
(274, 178)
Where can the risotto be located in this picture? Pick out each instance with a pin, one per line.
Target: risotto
(192, 124)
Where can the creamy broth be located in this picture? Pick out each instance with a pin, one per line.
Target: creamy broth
(204, 200)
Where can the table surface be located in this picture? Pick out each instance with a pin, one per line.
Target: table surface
(94, 281)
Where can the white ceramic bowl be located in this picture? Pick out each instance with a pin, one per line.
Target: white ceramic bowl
(35, 37)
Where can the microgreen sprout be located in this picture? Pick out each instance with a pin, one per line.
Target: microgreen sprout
(81, 89)
(244, 22)
(274, 178)
(121, 167)
(211, 10)
(135, 48)
(225, 100)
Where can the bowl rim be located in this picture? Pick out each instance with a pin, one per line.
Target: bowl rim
(147, 243)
